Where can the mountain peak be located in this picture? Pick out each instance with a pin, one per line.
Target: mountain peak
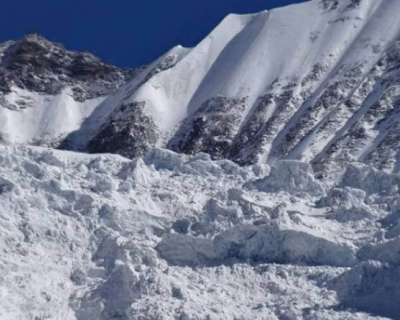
(36, 64)
(37, 38)
(33, 36)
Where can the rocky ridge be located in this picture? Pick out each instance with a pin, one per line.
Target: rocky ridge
(334, 101)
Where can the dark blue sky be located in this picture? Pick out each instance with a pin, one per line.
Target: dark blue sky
(123, 32)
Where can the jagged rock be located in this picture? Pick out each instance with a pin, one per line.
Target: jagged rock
(129, 132)
(38, 65)
(211, 129)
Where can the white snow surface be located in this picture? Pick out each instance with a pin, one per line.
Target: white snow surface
(45, 119)
(170, 236)
(245, 54)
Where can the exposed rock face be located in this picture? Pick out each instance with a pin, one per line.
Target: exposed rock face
(263, 125)
(129, 132)
(211, 129)
(36, 64)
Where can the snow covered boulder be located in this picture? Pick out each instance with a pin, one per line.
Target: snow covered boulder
(200, 164)
(370, 180)
(184, 250)
(347, 204)
(271, 244)
(385, 252)
(346, 198)
(260, 244)
(391, 222)
(371, 287)
(294, 177)
(5, 186)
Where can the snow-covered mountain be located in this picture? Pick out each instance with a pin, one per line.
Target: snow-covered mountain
(317, 81)
(186, 233)
(47, 91)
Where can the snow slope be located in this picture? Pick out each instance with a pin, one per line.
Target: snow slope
(171, 236)
(47, 121)
(316, 82)
(299, 82)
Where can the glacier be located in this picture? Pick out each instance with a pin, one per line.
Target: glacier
(172, 236)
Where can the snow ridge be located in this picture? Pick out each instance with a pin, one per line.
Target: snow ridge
(316, 82)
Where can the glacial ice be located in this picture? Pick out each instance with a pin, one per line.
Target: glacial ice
(172, 236)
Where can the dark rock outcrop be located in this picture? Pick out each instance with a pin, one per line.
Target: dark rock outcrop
(36, 64)
(129, 132)
(211, 129)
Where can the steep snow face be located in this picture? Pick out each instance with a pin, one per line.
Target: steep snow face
(316, 82)
(42, 119)
(171, 236)
(299, 68)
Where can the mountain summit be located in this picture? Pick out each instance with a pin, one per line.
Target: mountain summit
(317, 82)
